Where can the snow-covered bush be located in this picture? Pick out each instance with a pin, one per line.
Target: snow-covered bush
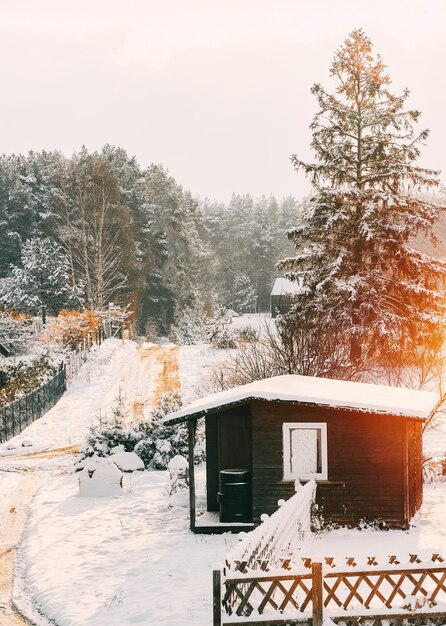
(108, 435)
(190, 327)
(153, 442)
(161, 443)
(16, 332)
(100, 478)
(21, 378)
(69, 328)
(218, 331)
(247, 334)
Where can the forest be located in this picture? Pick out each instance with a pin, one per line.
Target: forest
(97, 228)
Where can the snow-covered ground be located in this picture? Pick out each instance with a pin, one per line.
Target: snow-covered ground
(119, 561)
(130, 559)
(56, 536)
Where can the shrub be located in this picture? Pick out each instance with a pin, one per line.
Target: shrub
(72, 327)
(21, 378)
(248, 334)
(218, 331)
(190, 328)
(153, 442)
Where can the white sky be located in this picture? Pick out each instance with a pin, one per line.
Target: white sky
(216, 90)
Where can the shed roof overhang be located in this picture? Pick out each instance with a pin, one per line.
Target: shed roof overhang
(312, 391)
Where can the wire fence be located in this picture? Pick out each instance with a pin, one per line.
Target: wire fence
(78, 356)
(22, 412)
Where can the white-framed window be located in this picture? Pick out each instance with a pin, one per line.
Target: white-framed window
(305, 451)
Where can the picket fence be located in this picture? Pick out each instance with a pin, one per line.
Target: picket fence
(274, 538)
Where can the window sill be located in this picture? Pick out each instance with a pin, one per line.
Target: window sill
(325, 481)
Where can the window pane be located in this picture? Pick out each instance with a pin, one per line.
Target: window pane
(305, 451)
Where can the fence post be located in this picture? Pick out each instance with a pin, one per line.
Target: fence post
(316, 593)
(20, 414)
(216, 582)
(13, 418)
(5, 435)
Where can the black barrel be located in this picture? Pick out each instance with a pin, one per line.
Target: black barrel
(234, 495)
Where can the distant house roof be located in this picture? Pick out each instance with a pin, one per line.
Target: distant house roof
(283, 286)
(321, 391)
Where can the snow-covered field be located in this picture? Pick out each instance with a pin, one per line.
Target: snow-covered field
(117, 561)
(130, 559)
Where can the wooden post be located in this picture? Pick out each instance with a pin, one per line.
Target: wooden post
(316, 593)
(191, 440)
(216, 583)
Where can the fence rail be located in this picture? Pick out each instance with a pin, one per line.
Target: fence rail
(348, 594)
(20, 413)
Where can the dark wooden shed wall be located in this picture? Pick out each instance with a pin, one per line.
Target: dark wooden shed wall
(367, 463)
(414, 449)
(280, 304)
(228, 445)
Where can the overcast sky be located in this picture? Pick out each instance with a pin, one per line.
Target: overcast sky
(216, 90)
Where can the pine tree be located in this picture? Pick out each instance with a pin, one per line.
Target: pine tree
(42, 283)
(353, 246)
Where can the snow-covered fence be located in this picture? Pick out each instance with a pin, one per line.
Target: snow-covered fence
(37, 326)
(75, 359)
(19, 414)
(78, 356)
(350, 593)
(277, 536)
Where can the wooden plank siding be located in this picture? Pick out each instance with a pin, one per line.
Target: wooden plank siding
(366, 462)
(414, 465)
(228, 446)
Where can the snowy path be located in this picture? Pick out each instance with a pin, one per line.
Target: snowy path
(57, 436)
(88, 532)
(17, 489)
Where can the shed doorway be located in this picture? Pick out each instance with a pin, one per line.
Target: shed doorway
(228, 445)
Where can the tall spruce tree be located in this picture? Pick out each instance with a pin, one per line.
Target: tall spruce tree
(354, 258)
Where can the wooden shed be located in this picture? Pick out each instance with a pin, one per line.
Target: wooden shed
(361, 442)
(282, 295)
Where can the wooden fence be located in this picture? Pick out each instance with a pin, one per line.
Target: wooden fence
(349, 594)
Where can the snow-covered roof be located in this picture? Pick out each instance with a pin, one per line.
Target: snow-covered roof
(321, 391)
(283, 286)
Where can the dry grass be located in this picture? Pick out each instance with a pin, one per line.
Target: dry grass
(47, 454)
(168, 380)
